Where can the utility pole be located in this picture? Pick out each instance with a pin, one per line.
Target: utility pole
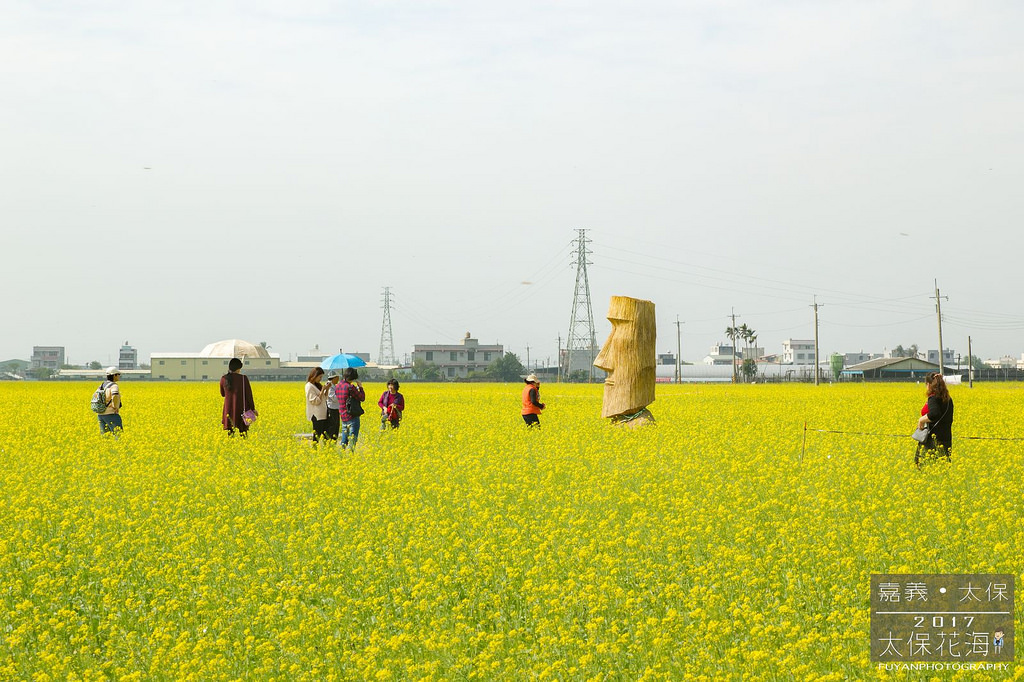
(558, 360)
(970, 365)
(527, 358)
(679, 351)
(938, 310)
(817, 365)
(733, 345)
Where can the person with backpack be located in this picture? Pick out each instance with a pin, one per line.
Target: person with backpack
(108, 397)
(239, 409)
(392, 405)
(350, 405)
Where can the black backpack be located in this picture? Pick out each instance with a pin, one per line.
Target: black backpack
(353, 405)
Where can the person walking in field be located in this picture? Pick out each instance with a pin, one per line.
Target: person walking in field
(237, 392)
(350, 405)
(316, 402)
(938, 420)
(532, 405)
(110, 417)
(392, 405)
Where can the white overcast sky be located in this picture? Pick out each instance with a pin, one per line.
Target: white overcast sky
(177, 173)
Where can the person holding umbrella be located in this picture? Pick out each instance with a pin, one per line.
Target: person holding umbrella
(341, 361)
(350, 405)
(238, 402)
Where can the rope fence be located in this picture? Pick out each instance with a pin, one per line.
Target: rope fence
(803, 448)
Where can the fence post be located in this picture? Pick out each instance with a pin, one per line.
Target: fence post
(803, 448)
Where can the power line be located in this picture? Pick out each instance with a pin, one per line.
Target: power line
(739, 278)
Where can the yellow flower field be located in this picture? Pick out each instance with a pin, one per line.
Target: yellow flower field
(463, 546)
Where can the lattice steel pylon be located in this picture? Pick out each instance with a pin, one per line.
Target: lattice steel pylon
(582, 343)
(386, 356)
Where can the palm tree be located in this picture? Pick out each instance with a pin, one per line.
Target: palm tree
(749, 336)
(744, 333)
(733, 333)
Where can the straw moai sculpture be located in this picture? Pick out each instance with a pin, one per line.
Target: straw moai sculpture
(628, 356)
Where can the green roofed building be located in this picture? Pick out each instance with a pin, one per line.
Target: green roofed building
(892, 369)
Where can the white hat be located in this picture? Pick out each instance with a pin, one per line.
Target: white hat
(532, 378)
(112, 370)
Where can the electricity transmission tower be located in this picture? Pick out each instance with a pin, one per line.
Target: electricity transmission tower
(582, 344)
(386, 356)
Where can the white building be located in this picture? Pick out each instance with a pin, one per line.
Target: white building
(720, 354)
(798, 352)
(948, 357)
(314, 355)
(851, 359)
(127, 357)
(457, 360)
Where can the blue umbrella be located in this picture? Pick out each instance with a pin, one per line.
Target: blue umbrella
(342, 361)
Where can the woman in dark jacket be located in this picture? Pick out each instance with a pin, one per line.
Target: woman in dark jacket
(938, 420)
(237, 392)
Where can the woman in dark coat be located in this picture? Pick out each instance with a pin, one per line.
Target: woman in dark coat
(938, 420)
(237, 392)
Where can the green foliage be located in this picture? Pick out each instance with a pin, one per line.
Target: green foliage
(578, 376)
(749, 369)
(95, 365)
(425, 371)
(506, 368)
(908, 352)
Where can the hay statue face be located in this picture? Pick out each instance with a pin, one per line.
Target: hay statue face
(628, 356)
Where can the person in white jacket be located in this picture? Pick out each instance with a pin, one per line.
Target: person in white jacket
(316, 402)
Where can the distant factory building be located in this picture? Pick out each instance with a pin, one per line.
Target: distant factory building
(128, 357)
(314, 355)
(47, 357)
(211, 363)
(891, 368)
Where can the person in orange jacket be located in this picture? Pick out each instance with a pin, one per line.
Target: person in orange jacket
(532, 405)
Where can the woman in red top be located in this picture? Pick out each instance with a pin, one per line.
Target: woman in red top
(237, 392)
(391, 404)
